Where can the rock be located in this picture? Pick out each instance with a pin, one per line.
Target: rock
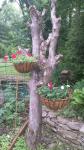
(82, 129)
(51, 146)
(74, 125)
(62, 120)
(44, 114)
(52, 114)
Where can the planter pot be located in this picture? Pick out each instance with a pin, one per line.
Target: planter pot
(25, 67)
(54, 104)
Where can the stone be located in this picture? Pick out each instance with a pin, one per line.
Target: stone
(74, 125)
(44, 114)
(50, 122)
(51, 114)
(62, 120)
(82, 129)
(51, 146)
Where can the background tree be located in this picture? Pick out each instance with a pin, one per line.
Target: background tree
(75, 43)
(13, 30)
(71, 38)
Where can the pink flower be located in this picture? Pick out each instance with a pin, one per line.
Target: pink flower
(29, 54)
(6, 58)
(13, 56)
(19, 52)
(50, 85)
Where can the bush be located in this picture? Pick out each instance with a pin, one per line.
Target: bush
(78, 102)
(79, 84)
(76, 106)
(8, 111)
(78, 97)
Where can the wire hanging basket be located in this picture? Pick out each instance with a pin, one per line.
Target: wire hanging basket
(25, 67)
(55, 104)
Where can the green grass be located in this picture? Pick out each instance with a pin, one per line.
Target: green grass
(7, 70)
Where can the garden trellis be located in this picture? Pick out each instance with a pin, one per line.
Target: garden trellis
(13, 90)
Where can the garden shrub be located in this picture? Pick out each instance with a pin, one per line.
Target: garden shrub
(8, 111)
(76, 107)
(79, 84)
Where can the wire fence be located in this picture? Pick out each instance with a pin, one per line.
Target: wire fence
(13, 90)
(10, 79)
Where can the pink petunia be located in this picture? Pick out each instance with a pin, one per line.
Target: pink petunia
(29, 54)
(19, 52)
(13, 56)
(50, 85)
(6, 58)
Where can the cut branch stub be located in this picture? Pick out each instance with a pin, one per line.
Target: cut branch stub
(34, 12)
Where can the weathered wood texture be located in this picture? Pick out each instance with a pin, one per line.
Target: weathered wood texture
(69, 131)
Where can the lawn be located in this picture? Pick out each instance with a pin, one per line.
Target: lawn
(7, 70)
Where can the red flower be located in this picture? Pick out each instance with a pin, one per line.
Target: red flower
(29, 54)
(19, 52)
(13, 56)
(6, 57)
(50, 85)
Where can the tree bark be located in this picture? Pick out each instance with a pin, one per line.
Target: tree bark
(35, 114)
(39, 47)
(35, 111)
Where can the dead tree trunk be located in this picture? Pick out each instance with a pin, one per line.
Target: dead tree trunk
(35, 114)
(35, 111)
(39, 47)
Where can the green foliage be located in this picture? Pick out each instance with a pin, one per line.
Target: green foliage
(68, 112)
(56, 75)
(13, 30)
(20, 145)
(78, 98)
(4, 142)
(77, 102)
(79, 84)
(76, 106)
(40, 147)
(8, 111)
(56, 93)
(75, 47)
(6, 139)
(23, 58)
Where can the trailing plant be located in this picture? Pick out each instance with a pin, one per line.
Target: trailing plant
(20, 57)
(54, 93)
(23, 59)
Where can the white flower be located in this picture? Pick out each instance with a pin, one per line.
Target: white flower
(8, 136)
(62, 87)
(68, 86)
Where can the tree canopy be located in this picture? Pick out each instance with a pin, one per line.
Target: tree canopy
(14, 31)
